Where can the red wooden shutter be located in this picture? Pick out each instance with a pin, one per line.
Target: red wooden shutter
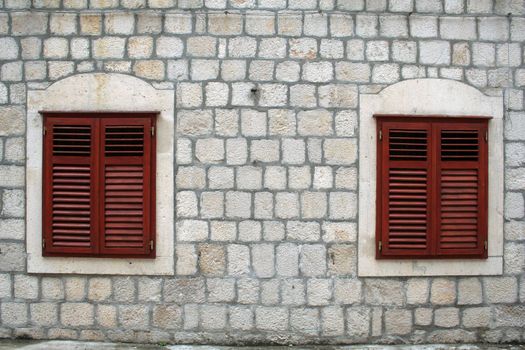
(461, 170)
(127, 187)
(404, 182)
(432, 187)
(69, 186)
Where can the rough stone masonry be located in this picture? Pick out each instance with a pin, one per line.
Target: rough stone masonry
(267, 107)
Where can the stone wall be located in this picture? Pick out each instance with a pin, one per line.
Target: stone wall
(267, 104)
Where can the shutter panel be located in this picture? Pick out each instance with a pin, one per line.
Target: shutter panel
(69, 186)
(127, 187)
(404, 183)
(462, 188)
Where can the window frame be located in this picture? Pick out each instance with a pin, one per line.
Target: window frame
(427, 96)
(102, 92)
(97, 120)
(433, 123)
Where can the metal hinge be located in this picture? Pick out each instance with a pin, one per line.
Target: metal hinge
(151, 245)
(44, 130)
(486, 245)
(43, 243)
(152, 131)
(380, 246)
(380, 134)
(486, 136)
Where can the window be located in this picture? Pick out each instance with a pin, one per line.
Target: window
(432, 187)
(99, 185)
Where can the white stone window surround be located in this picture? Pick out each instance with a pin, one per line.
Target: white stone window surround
(98, 92)
(425, 97)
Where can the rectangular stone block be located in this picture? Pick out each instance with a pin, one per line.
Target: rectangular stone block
(29, 23)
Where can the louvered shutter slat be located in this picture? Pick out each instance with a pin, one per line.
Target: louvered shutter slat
(127, 186)
(69, 187)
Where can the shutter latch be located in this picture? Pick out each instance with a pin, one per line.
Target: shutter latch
(380, 134)
(43, 243)
(152, 131)
(486, 136)
(486, 245)
(44, 130)
(151, 245)
(380, 246)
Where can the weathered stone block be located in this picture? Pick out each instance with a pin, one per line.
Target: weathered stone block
(26, 287)
(213, 317)
(398, 321)
(194, 123)
(299, 177)
(12, 257)
(338, 96)
(318, 71)
(9, 49)
(52, 288)
(133, 316)
(238, 260)
(249, 231)
(271, 318)
(303, 95)
(458, 28)
(212, 259)
(191, 177)
(153, 69)
(393, 26)
(493, 28)
(476, 317)
(44, 314)
(29, 23)
(212, 205)
(286, 205)
(358, 322)
(77, 314)
(263, 260)
(500, 289)
(343, 205)
(186, 259)
(192, 230)
(446, 317)
(209, 150)
(443, 291)
(313, 260)
(241, 318)
(149, 289)
(108, 47)
(366, 26)
(434, 52)
(384, 292)
(305, 321)
(14, 314)
(99, 289)
(313, 205)
(247, 291)
(342, 259)
(225, 24)
(303, 48)
(314, 123)
(184, 290)
(106, 316)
